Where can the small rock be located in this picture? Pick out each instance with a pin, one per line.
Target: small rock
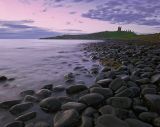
(43, 93)
(42, 124)
(3, 78)
(15, 124)
(148, 116)
(106, 92)
(110, 121)
(73, 105)
(153, 102)
(50, 104)
(148, 91)
(59, 88)
(116, 84)
(75, 89)
(27, 92)
(48, 87)
(104, 82)
(156, 122)
(65, 99)
(19, 108)
(30, 98)
(155, 78)
(87, 121)
(139, 109)
(137, 123)
(120, 102)
(26, 117)
(9, 104)
(107, 109)
(89, 112)
(91, 99)
(67, 118)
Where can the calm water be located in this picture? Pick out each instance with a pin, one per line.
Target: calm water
(34, 63)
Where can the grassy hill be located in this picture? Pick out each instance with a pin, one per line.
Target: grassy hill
(123, 35)
(99, 35)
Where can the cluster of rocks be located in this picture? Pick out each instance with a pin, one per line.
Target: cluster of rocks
(128, 96)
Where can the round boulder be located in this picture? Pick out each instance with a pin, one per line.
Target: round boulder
(67, 118)
(73, 105)
(110, 121)
(91, 99)
(75, 89)
(50, 104)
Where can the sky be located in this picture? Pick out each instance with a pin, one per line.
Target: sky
(42, 18)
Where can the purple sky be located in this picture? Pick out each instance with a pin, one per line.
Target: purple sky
(41, 18)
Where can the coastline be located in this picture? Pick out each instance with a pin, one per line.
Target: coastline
(125, 92)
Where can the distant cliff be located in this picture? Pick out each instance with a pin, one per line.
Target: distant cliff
(99, 35)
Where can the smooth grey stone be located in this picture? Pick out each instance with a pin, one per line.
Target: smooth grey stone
(75, 89)
(89, 112)
(148, 91)
(156, 122)
(107, 109)
(67, 118)
(139, 109)
(20, 108)
(148, 116)
(29, 98)
(73, 105)
(155, 78)
(91, 99)
(104, 82)
(26, 117)
(86, 122)
(50, 104)
(43, 93)
(65, 99)
(110, 121)
(27, 92)
(106, 92)
(9, 104)
(15, 124)
(137, 123)
(48, 87)
(58, 88)
(116, 84)
(153, 102)
(120, 102)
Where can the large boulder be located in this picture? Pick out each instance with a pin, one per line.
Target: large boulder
(91, 99)
(153, 102)
(75, 89)
(73, 105)
(20, 108)
(110, 121)
(106, 92)
(50, 104)
(120, 102)
(67, 118)
(137, 123)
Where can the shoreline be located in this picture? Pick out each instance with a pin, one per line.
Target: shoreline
(125, 92)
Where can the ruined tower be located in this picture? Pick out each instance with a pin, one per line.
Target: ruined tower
(119, 29)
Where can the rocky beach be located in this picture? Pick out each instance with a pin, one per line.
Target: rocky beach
(124, 91)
